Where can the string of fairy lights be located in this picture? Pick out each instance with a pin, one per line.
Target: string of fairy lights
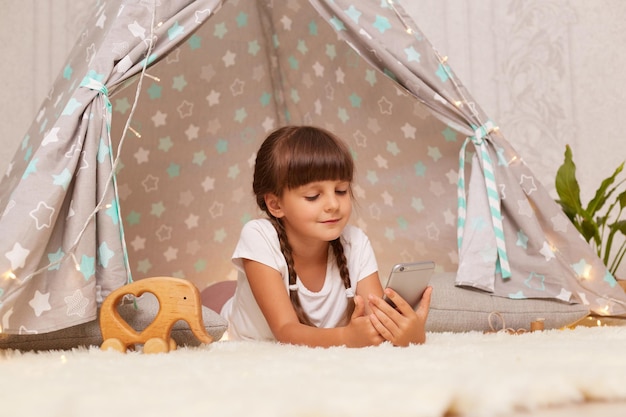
(102, 203)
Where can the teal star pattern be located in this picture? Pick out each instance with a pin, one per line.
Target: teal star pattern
(402, 223)
(382, 24)
(370, 77)
(28, 154)
(412, 55)
(355, 100)
(67, 72)
(105, 254)
(133, 218)
(293, 62)
(113, 212)
(55, 257)
(522, 239)
(535, 281)
(313, 28)
(265, 99)
(173, 170)
(175, 30)
(518, 295)
(337, 23)
(221, 146)
(87, 266)
(242, 20)
(353, 14)
(420, 169)
(63, 179)
(200, 265)
(195, 42)
(581, 268)
(71, 107)
(103, 151)
(443, 72)
(610, 279)
(30, 169)
(449, 134)
(154, 92)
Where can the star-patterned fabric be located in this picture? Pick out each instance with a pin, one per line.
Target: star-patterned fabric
(176, 100)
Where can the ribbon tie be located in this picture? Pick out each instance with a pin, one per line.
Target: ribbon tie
(480, 134)
(93, 84)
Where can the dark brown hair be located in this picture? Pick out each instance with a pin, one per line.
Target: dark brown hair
(293, 156)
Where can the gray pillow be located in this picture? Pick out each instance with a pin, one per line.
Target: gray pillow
(456, 309)
(88, 334)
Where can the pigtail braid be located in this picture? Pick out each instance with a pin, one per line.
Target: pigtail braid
(285, 248)
(342, 264)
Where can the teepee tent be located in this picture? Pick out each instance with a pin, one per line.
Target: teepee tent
(139, 163)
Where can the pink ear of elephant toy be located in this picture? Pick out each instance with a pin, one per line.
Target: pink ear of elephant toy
(179, 299)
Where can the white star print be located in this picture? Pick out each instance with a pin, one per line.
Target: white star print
(40, 303)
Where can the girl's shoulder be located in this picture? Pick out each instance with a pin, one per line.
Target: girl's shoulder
(353, 234)
(258, 226)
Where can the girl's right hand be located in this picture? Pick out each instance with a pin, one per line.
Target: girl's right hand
(360, 331)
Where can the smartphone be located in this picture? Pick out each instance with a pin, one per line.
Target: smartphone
(410, 280)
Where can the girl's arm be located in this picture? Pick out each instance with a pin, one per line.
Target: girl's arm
(403, 326)
(367, 286)
(273, 300)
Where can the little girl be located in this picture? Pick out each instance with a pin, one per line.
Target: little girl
(306, 276)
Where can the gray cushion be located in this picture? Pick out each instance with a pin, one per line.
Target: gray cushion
(456, 309)
(88, 334)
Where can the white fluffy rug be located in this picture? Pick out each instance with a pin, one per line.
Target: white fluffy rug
(471, 374)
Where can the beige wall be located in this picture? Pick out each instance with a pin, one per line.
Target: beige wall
(548, 72)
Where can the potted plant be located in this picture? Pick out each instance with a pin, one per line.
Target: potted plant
(600, 221)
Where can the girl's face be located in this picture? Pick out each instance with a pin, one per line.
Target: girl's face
(316, 211)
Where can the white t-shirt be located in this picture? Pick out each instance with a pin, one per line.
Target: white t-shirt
(326, 308)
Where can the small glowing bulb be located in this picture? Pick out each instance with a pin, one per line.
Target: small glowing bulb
(76, 264)
(598, 323)
(444, 59)
(134, 131)
(9, 275)
(458, 103)
(157, 79)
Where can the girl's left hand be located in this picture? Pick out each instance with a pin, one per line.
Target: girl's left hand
(401, 326)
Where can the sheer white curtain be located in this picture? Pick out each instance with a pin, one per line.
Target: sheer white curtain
(547, 71)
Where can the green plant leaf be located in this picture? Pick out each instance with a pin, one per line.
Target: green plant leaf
(567, 186)
(601, 193)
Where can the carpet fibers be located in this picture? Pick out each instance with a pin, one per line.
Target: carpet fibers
(472, 374)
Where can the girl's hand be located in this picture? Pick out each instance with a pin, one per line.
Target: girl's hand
(401, 326)
(360, 331)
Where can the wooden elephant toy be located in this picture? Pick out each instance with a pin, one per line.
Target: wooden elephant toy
(178, 299)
